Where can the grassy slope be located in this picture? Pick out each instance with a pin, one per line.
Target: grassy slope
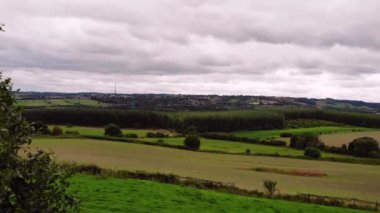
(59, 102)
(115, 195)
(99, 131)
(314, 130)
(343, 180)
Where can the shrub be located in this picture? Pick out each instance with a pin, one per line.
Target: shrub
(361, 147)
(160, 141)
(305, 140)
(248, 152)
(344, 147)
(286, 135)
(312, 152)
(192, 142)
(57, 131)
(40, 128)
(112, 130)
(72, 132)
(270, 187)
(131, 135)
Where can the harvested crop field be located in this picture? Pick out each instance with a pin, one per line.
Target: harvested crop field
(339, 139)
(343, 179)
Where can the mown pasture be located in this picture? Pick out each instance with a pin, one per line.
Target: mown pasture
(313, 130)
(59, 103)
(105, 195)
(342, 180)
(345, 138)
(98, 131)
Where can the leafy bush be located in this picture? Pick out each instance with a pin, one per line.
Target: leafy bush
(192, 142)
(247, 152)
(361, 147)
(305, 140)
(112, 130)
(160, 141)
(57, 131)
(312, 152)
(270, 187)
(33, 182)
(40, 128)
(156, 135)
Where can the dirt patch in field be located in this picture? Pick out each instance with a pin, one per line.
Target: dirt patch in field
(303, 173)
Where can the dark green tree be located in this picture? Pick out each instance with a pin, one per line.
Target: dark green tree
(312, 152)
(192, 142)
(40, 128)
(31, 181)
(362, 147)
(57, 131)
(113, 130)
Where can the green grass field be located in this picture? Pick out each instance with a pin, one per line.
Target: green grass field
(238, 147)
(343, 180)
(207, 144)
(345, 138)
(103, 195)
(314, 130)
(59, 102)
(99, 131)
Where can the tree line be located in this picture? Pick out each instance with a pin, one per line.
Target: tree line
(218, 121)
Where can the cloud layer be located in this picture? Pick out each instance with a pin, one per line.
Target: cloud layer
(328, 48)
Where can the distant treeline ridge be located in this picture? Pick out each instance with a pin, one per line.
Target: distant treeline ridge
(217, 121)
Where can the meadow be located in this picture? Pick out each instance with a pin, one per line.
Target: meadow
(313, 130)
(59, 102)
(99, 131)
(214, 145)
(239, 147)
(342, 180)
(339, 139)
(105, 195)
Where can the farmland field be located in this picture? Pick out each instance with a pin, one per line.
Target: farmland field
(99, 131)
(239, 147)
(345, 138)
(116, 195)
(343, 179)
(207, 144)
(59, 102)
(314, 130)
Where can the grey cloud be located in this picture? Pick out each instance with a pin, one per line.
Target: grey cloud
(267, 44)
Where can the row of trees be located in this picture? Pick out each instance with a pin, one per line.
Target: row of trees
(223, 121)
(350, 118)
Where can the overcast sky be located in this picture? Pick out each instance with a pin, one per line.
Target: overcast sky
(301, 48)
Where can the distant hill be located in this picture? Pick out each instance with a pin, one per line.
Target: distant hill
(175, 102)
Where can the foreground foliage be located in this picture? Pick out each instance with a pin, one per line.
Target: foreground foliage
(34, 183)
